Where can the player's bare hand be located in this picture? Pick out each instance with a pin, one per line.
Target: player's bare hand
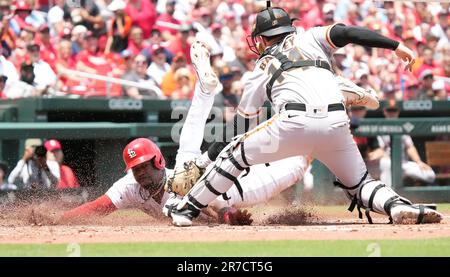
(406, 55)
(233, 216)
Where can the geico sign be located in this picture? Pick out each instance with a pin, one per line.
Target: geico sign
(125, 104)
(425, 105)
(180, 104)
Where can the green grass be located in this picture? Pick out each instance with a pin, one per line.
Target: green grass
(362, 248)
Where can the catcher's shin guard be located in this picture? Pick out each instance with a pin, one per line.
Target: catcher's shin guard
(219, 178)
(372, 195)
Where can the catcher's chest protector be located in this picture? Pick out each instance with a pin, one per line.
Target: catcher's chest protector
(293, 60)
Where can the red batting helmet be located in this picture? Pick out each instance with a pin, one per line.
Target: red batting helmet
(140, 151)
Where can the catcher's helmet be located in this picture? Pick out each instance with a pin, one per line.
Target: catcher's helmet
(271, 22)
(142, 150)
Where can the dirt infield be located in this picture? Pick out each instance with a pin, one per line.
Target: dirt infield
(24, 225)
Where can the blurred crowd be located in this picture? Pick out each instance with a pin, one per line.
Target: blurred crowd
(147, 42)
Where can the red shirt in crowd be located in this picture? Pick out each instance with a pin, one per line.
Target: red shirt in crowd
(102, 66)
(167, 18)
(177, 46)
(68, 179)
(136, 49)
(144, 16)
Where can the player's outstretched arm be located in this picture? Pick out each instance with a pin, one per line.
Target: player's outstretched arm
(101, 206)
(342, 35)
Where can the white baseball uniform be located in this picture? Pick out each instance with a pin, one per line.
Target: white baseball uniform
(323, 134)
(410, 168)
(260, 184)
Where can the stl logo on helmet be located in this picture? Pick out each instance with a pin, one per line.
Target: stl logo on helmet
(131, 153)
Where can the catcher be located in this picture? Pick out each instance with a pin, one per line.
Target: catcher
(148, 184)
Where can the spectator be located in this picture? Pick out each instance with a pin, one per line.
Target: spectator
(68, 83)
(203, 21)
(169, 83)
(25, 86)
(422, 26)
(185, 84)
(427, 61)
(138, 74)
(154, 41)
(226, 98)
(78, 39)
(67, 177)
(218, 44)
(4, 185)
(143, 14)
(237, 88)
(93, 60)
(128, 60)
(159, 66)
(340, 64)
(90, 59)
(181, 43)
(21, 19)
(119, 28)
(34, 171)
(412, 90)
(7, 36)
(8, 69)
(426, 86)
(242, 57)
(232, 33)
(55, 17)
(88, 14)
(314, 16)
(412, 165)
(44, 76)
(409, 40)
(166, 23)
(228, 7)
(368, 146)
(47, 50)
(439, 91)
(439, 29)
(362, 78)
(136, 41)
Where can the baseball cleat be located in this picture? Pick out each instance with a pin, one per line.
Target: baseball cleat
(414, 214)
(181, 220)
(182, 217)
(200, 60)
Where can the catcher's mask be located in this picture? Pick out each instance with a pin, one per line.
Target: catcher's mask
(269, 22)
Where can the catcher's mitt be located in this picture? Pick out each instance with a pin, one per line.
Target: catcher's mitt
(184, 178)
(358, 96)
